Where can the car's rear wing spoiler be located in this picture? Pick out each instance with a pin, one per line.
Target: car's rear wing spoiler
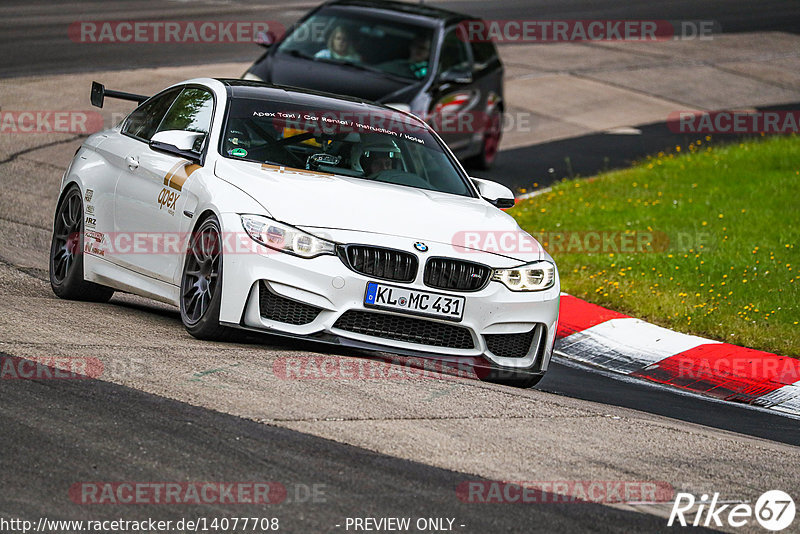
(99, 92)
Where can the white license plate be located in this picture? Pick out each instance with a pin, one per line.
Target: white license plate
(414, 302)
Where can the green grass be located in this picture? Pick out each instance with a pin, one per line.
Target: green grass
(731, 215)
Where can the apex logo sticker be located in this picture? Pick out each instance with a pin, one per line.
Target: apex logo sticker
(167, 199)
(89, 195)
(179, 173)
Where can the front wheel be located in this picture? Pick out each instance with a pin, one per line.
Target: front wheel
(201, 283)
(66, 253)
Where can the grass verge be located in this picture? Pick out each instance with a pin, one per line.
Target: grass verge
(703, 241)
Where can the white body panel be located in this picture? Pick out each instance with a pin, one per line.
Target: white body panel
(343, 209)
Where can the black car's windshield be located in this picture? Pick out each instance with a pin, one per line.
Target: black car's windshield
(363, 41)
(372, 144)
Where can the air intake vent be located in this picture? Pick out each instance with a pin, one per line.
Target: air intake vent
(407, 329)
(283, 310)
(457, 275)
(511, 345)
(382, 263)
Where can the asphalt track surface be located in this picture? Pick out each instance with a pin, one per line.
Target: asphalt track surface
(56, 433)
(75, 431)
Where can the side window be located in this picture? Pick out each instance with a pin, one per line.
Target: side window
(144, 120)
(454, 53)
(191, 112)
(484, 54)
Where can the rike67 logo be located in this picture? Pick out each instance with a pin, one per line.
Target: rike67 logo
(774, 510)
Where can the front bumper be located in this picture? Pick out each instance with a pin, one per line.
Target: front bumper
(329, 286)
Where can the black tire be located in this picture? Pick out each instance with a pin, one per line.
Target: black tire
(201, 283)
(513, 378)
(66, 253)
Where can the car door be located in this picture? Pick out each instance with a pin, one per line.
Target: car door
(487, 73)
(151, 197)
(116, 150)
(455, 97)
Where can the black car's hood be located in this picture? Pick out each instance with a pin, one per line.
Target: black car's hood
(282, 69)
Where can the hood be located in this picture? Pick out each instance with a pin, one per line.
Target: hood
(303, 198)
(338, 79)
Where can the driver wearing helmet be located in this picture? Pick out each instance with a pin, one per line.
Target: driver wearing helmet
(377, 157)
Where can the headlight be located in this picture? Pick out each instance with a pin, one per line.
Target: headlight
(285, 238)
(536, 276)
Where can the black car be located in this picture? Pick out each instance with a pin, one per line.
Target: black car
(409, 56)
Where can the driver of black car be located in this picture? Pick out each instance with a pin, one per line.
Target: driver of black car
(419, 52)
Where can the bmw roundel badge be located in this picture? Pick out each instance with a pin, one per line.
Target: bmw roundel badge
(422, 247)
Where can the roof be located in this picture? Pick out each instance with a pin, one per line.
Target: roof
(407, 8)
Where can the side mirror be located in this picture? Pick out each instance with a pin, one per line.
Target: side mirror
(178, 143)
(494, 193)
(458, 76)
(266, 39)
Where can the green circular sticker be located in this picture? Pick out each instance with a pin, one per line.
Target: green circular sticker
(238, 152)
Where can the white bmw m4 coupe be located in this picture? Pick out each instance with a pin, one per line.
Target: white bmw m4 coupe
(308, 215)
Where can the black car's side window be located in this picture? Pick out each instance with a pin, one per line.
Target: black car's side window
(455, 54)
(192, 112)
(484, 54)
(144, 120)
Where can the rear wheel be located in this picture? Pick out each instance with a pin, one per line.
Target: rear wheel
(201, 283)
(66, 253)
(491, 142)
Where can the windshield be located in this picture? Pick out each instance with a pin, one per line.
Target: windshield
(363, 41)
(380, 145)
